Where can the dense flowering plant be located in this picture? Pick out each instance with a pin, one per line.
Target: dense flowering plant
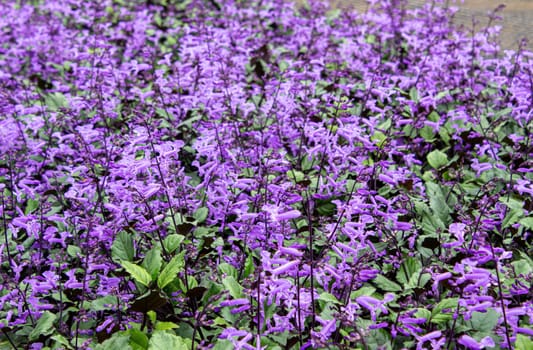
(217, 174)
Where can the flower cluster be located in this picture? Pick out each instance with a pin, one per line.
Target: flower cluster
(258, 175)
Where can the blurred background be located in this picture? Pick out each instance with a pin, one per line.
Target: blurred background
(517, 16)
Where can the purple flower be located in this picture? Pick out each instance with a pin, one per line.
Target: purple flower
(471, 343)
(285, 267)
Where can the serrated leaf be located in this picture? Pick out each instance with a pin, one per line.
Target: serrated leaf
(437, 159)
(172, 242)
(138, 273)
(234, 288)
(152, 262)
(171, 270)
(44, 326)
(386, 284)
(122, 248)
(201, 214)
(162, 340)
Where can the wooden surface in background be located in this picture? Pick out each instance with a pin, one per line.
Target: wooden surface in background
(517, 16)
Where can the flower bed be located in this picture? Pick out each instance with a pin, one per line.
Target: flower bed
(251, 175)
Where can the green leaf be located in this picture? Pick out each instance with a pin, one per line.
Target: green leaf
(379, 138)
(228, 270)
(122, 248)
(512, 203)
(363, 291)
(138, 339)
(513, 216)
(437, 315)
(437, 202)
(324, 207)
(329, 298)
(295, 175)
(55, 101)
(423, 313)
(234, 288)
(249, 266)
(105, 303)
(386, 284)
(437, 159)
(413, 94)
(441, 318)
(73, 250)
(522, 267)
(201, 214)
(378, 339)
(527, 222)
(171, 270)
(31, 206)
(152, 316)
(428, 133)
(172, 242)
(161, 340)
(484, 321)
(307, 163)
(163, 326)
(59, 339)
(413, 280)
(523, 342)
(408, 268)
(424, 279)
(117, 341)
(44, 326)
(223, 344)
(152, 262)
(138, 273)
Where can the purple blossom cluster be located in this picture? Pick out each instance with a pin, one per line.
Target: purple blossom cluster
(257, 175)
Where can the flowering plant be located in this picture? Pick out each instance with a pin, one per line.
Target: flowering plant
(216, 174)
